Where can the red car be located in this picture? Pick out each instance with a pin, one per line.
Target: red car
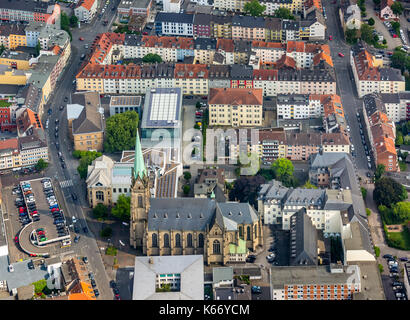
(33, 255)
(145, 33)
(55, 209)
(34, 212)
(330, 38)
(394, 35)
(198, 113)
(341, 54)
(21, 209)
(204, 97)
(40, 233)
(81, 39)
(16, 239)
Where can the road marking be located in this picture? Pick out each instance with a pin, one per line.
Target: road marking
(66, 183)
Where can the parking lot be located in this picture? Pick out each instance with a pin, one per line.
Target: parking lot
(392, 278)
(30, 222)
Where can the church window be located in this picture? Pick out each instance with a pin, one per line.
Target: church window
(166, 240)
(240, 231)
(256, 231)
(189, 240)
(201, 240)
(248, 233)
(99, 195)
(140, 202)
(217, 247)
(154, 240)
(178, 240)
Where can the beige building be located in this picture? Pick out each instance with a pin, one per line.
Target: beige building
(235, 107)
(88, 128)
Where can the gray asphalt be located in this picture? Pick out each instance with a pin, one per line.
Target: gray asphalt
(87, 245)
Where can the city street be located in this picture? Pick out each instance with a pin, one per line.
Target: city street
(68, 178)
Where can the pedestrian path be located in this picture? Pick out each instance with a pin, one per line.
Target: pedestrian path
(66, 183)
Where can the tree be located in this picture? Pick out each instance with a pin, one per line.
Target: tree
(152, 58)
(366, 33)
(388, 192)
(399, 139)
(397, 8)
(196, 126)
(122, 208)
(38, 48)
(351, 36)
(41, 165)
(377, 2)
(2, 48)
(186, 188)
(65, 24)
(187, 175)
(396, 27)
(100, 211)
(120, 131)
(254, 8)
(73, 21)
(283, 170)
(379, 171)
(245, 189)
(401, 211)
(377, 251)
(106, 232)
(283, 13)
(198, 104)
(384, 41)
(86, 158)
(371, 22)
(309, 185)
(364, 192)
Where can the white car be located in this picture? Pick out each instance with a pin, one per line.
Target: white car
(11, 268)
(74, 219)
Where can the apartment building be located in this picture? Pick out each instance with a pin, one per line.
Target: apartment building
(174, 24)
(350, 15)
(23, 151)
(381, 132)
(298, 106)
(17, 60)
(221, 26)
(235, 107)
(42, 11)
(332, 282)
(202, 25)
(13, 35)
(247, 27)
(86, 10)
(205, 49)
(397, 105)
(295, 6)
(371, 78)
(193, 79)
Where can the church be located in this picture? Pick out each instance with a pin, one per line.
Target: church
(221, 232)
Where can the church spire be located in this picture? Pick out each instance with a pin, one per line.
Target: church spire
(139, 167)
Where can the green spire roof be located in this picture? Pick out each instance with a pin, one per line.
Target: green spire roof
(139, 167)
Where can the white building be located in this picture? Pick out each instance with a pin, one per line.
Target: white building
(172, 5)
(184, 274)
(298, 106)
(86, 10)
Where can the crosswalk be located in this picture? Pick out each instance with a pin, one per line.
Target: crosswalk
(66, 183)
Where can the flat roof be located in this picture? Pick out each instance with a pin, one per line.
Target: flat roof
(308, 275)
(125, 101)
(162, 108)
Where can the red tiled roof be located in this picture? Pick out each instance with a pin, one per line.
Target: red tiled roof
(264, 44)
(365, 68)
(235, 96)
(87, 4)
(332, 104)
(225, 45)
(322, 57)
(285, 62)
(190, 71)
(298, 46)
(168, 42)
(9, 144)
(265, 74)
(110, 71)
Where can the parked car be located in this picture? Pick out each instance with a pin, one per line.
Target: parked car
(387, 256)
(85, 259)
(404, 259)
(256, 289)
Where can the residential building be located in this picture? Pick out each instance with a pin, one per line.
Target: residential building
(33, 148)
(333, 282)
(16, 60)
(172, 5)
(9, 154)
(235, 107)
(350, 15)
(12, 35)
(196, 226)
(211, 184)
(381, 132)
(42, 11)
(397, 105)
(85, 10)
(298, 106)
(183, 275)
(88, 128)
(202, 25)
(385, 10)
(371, 78)
(247, 27)
(174, 24)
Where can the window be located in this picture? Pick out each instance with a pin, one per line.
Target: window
(189, 240)
(201, 240)
(178, 240)
(240, 231)
(99, 195)
(248, 233)
(140, 204)
(154, 240)
(166, 240)
(216, 247)
(256, 231)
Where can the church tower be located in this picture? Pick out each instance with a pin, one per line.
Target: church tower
(140, 199)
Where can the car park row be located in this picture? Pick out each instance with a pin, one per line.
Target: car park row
(398, 287)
